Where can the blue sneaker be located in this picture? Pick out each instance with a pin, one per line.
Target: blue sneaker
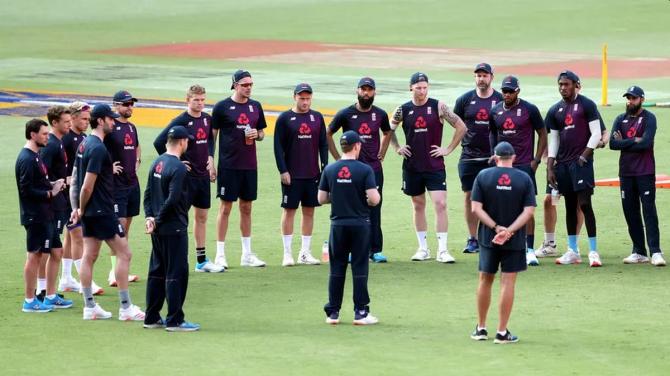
(472, 246)
(36, 306)
(184, 327)
(378, 257)
(160, 324)
(58, 302)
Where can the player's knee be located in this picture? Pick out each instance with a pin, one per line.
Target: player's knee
(440, 205)
(245, 208)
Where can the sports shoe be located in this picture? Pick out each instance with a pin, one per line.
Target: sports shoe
(96, 313)
(421, 255)
(531, 259)
(472, 246)
(657, 259)
(288, 260)
(220, 260)
(378, 258)
(97, 290)
(507, 338)
(132, 313)
(251, 260)
(594, 259)
(306, 258)
(111, 278)
(183, 327)
(636, 258)
(208, 267)
(569, 257)
(36, 307)
(364, 318)
(57, 302)
(445, 257)
(479, 334)
(333, 318)
(69, 284)
(548, 249)
(160, 324)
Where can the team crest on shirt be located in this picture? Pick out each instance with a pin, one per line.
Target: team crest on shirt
(354, 116)
(304, 131)
(204, 121)
(493, 104)
(518, 112)
(231, 107)
(251, 108)
(311, 117)
(575, 107)
(374, 116)
(429, 110)
(504, 183)
(190, 123)
(344, 175)
(420, 125)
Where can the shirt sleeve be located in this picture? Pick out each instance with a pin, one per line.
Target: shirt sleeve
(47, 155)
(459, 106)
(476, 194)
(279, 137)
(148, 210)
(174, 192)
(323, 144)
(261, 118)
(370, 181)
(535, 117)
(135, 135)
(162, 138)
(218, 116)
(27, 188)
(591, 111)
(323, 184)
(622, 144)
(550, 119)
(529, 198)
(337, 123)
(647, 141)
(96, 160)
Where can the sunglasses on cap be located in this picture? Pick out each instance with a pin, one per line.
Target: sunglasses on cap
(79, 107)
(126, 104)
(250, 84)
(508, 91)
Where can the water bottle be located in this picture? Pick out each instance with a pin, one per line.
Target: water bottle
(555, 196)
(247, 140)
(324, 252)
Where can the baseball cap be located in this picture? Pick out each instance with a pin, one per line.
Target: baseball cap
(238, 75)
(570, 75)
(418, 77)
(349, 138)
(510, 82)
(103, 110)
(179, 132)
(634, 91)
(123, 96)
(486, 67)
(504, 149)
(366, 81)
(302, 87)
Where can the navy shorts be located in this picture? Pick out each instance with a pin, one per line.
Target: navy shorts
(301, 191)
(467, 172)
(61, 219)
(233, 184)
(199, 191)
(509, 261)
(39, 237)
(416, 183)
(102, 227)
(127, 201)
(572, 177)
(528, 170)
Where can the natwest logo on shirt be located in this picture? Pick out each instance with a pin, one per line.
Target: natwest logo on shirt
(158, 170)
(128, 143)
(344, 175)
(242, 121)
(569, 122)
(504, 183)
(482, 116)
(508, 126)
(365, 131)
(420, 125)
(304, 131)
(200, 136)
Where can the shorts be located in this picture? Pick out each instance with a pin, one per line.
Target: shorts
(467, 172)
(510, 261)
(102, 227)
(39, 237)
(528, 170)
(572, 177)
(416, 183)
(127, 201)
(233, 184)
(301, 191)
(60, 220)
(199, 191)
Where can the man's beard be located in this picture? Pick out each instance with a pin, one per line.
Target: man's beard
(633, 109)
(365, 102)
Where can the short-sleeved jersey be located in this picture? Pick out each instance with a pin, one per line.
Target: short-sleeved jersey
(231, 119)
(636, 159)
(71, 142)
(55, 159)
(122, 145)
(368, 125)
(299, 142)
(32, 181)
(475, 114)
(504, 193)
(572, 120)
(199, 149)
(166, 195)
(517, 125)
(92, 156)
(347, 180)
(423, 128)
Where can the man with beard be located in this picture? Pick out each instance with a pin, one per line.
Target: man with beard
(473, 107)
(633, 134)
(368, 121)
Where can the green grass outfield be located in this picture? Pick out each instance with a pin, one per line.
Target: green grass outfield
(571, 319)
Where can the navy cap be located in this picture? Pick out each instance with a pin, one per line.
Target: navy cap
(634, 91)
(418, 77)
(123, 96)
(504, 149)
(367, 81)
(179, 132)
(238, 75)
(102, 110)
(349, 138)
(510, 82)
(570, 75)
(302, 87)
(485, 67)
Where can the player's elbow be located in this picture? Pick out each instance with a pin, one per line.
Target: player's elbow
(373, 197)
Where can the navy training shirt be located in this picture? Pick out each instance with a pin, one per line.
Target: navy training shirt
(32, 181)
(122, 145)
(93, 157)
(231, 118)
(55, 159)
(166, 195)
(474, 111)
(504, 192)
(637, 158)
(572, 120)
(71, 142)
(199, 149)
(517, 125)
(347, 180)
(299, 143)
(422, 128)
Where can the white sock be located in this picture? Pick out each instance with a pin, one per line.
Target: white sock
(52, 296)
(306, 243)
(287, 239)
(41, 284)
(77, 265)
(441, 241)
(66, 268)
(550, 237)
(246, 246)
(220, 248)
(30, 300)
(421, 237)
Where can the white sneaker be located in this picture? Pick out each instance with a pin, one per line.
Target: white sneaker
(208, 267)
(306, 258)
(421, 255)
(594, 259)
(69, 284)
(132, 313)
(531, 259)
(569, 257)
(220, 260)
(288, 260)
(251, 260)
(548, 249)
(96, 313)
(636, 258)
(657, 259)
(444, 257)
(95, 289)
(111, 278)
(367, 320)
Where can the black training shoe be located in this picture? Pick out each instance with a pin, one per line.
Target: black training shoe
(506, 338)
(479, 334)
(41, 295)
